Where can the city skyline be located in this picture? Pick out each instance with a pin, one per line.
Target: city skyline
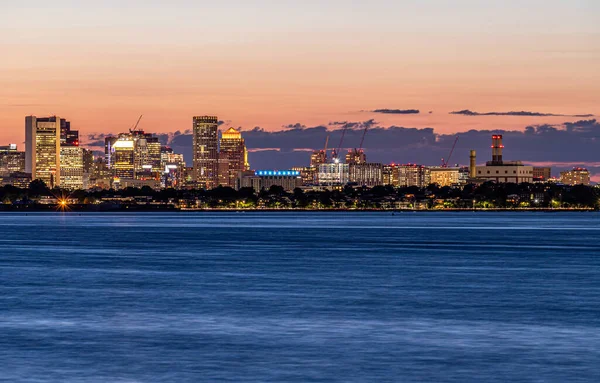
(102, 65)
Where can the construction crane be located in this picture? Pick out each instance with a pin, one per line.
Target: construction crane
(342, 140)
(136, 124)
(445, 162)
(362, 141)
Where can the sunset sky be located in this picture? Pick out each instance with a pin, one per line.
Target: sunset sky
(271, 63)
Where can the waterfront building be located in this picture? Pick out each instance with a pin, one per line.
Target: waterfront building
(11, 160)
(501, 171)
(205, 151)
(334, 174)
(366, 174)
(264, 179)
(443, 176)
(577, 176)
(390, 175)
(42, 148)
(71, 160)
(233, 152)
(412, 175)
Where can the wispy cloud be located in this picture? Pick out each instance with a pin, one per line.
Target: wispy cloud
(397, 111)
(468, 112)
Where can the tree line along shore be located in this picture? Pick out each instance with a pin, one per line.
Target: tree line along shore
(486, 196)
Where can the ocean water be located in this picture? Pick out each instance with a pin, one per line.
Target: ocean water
(300, 297)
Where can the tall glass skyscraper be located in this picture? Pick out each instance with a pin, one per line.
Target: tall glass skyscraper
(205, 151)
(232, 152)
(42, 148)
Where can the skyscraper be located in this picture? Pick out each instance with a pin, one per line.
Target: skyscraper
(147, 155)
(108, 150)
(135, 154)
(71, 167)
(42, 148)
(173, 167)
(205, 151)
(123, 157)
(68, 136)
(233, 151)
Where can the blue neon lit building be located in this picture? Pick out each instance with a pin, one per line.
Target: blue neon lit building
(277, 173)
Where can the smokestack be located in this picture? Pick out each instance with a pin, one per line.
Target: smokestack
(497, 149)
(473, 165)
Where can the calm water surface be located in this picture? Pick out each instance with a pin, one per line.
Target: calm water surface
(296, 297)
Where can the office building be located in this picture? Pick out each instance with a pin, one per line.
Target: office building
(88, 161)
(147, 155)
(205, 151)
(68, 136)
(42, 149)
(577, 176)
(71, 168)
(100, 177)
(11, 160)
(122, 157)
(136, 154)
(223, 173)
(366, 174)
(173, 166)
(17, 179)
(232, 152)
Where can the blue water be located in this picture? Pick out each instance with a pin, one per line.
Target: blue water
(300, 297)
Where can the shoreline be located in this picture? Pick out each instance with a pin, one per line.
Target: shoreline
(174, 209)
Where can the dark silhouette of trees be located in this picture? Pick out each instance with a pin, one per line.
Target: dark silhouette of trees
(486, 195)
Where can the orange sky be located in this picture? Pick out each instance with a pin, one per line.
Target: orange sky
(279, 63)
